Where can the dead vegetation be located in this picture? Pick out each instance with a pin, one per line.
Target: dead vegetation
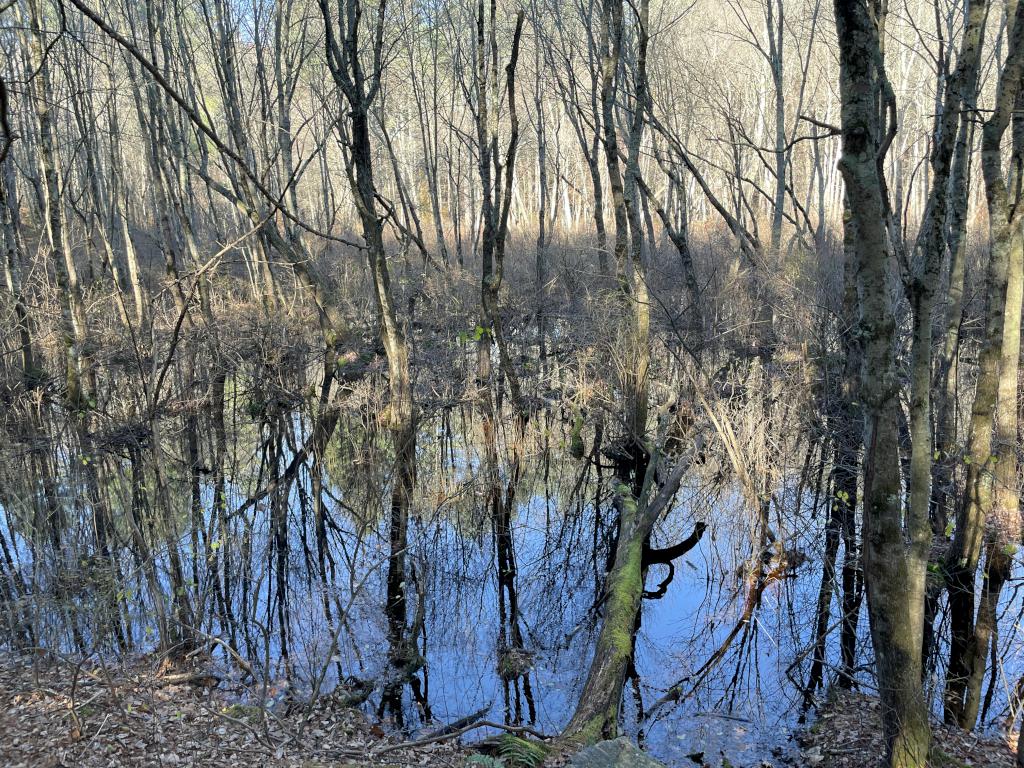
(88, 715)
(846, 734)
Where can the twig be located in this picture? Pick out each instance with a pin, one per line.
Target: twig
(268, 744)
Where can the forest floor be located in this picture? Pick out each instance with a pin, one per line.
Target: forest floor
(90, 716)
(846, 734)
(85, 717)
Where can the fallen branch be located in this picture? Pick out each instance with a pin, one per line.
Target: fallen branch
(204, 679)
(757, 586)
(515, 729)
(462, 722)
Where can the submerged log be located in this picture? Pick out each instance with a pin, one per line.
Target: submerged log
(597, 714)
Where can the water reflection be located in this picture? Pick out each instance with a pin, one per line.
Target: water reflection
(279, 546)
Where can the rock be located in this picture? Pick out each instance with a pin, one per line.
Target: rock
(620, 753)
(813, 756)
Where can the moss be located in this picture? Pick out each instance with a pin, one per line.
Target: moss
(592, 732)
(629, 504)
(625, 586)
(597, 717)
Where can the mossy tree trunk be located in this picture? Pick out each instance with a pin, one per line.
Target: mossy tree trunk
(894, 573)
(597, 714)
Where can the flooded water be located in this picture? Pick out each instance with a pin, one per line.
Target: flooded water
(313, 615)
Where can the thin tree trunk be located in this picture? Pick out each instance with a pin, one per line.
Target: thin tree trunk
(359, 90)
(962, 558)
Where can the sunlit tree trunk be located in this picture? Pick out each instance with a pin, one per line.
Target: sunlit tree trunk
(72, 319)
(928, 256)
(977, 503)
(1003, 522)
(12, 269)
(849, 442)
(775, 22)
(947, 374)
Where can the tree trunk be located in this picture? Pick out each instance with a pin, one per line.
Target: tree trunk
(360, 90)
(962, 558)
(597, 714)
(894, 575)
(1003, 523)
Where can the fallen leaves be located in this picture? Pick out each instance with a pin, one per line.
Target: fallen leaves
(49, 719)
(848, 734)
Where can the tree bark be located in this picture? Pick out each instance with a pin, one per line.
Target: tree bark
(962, 558)
(894, 574)
(597, 714)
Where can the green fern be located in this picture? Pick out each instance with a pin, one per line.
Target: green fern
(521, 753)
